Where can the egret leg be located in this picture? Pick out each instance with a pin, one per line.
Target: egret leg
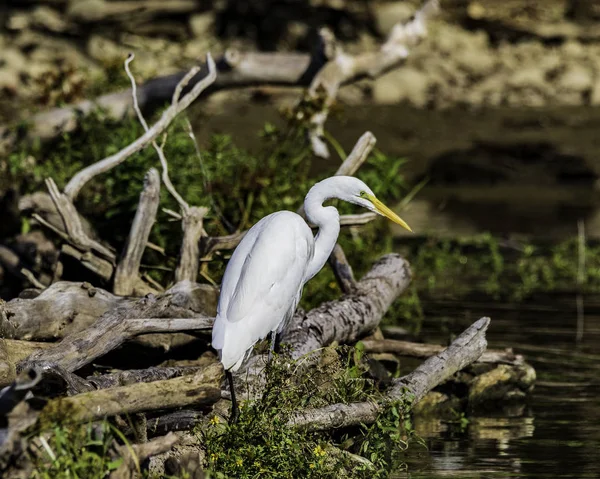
(273, 344)
(235, 412)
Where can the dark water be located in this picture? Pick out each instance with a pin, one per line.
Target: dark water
(557, 433)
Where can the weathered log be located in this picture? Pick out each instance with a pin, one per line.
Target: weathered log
(424, 351)
(174, 311)
(61, 309)
(11, 352)
(467, 348)
(353, 316)
(126, 273)
(200, 389)
(65, 308)
(133, 376)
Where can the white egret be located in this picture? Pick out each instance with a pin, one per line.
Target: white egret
(264, 278)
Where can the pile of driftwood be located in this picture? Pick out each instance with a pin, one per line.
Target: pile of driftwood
(56, 333)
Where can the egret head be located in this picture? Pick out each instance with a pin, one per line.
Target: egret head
(355, 191)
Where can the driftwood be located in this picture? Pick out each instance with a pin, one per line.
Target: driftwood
(170, 312)
(424, 351)
(467, 348)
(352, 317)
(200, 389)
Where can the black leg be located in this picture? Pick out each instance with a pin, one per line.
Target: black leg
(273, 344)
(235, 412)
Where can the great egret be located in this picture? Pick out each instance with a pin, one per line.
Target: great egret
(264, 278)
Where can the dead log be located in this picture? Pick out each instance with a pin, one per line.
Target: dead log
(200, 389)
(61, 309)
(424, 351)
(174, 311)
(133, 376)
(354, 315)
(467, 348)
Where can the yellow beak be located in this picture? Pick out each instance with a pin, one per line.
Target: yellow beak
(385, 211)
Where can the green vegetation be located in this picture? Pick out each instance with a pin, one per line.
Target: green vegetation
(262, 444)
(76, 452)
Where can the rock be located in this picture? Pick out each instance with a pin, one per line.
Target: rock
(49, 19)
(9, 80)
(201, 24)
(104, 50)
(476, 62)
(528, 77)
(13, 58)
(86, 10)
(388, 14)
(576, 78)
(407, 83)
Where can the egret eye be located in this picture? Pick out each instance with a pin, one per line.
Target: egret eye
(363, 194)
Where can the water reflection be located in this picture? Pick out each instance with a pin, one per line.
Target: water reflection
(555, 435)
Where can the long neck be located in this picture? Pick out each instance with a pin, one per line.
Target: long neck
(327, 219)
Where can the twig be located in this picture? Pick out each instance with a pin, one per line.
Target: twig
(127, 271)
(82, 177)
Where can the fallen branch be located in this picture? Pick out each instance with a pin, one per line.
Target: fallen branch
(200, 389)
(353, 316)
(467, 348)
(424, 351)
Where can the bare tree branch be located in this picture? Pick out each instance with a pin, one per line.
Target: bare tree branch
(81, 178)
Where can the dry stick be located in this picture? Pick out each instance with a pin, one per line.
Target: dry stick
(81, 178)
(466, 349)
(192, 217)
(202, 388)
(424, 351)
(127, 271)
(147, 315)
(343, 68)
(72, 223)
